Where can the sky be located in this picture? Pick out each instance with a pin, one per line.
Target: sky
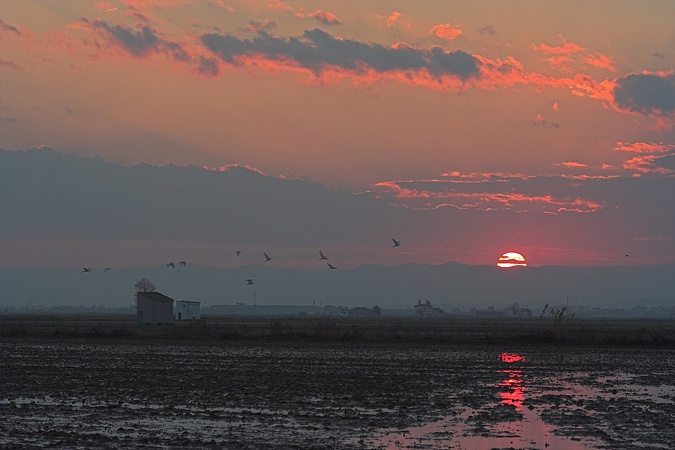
(463, 129)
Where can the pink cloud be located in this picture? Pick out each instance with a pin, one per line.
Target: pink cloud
(144, 4)
(645, 164)
(573, 164)
(565, 49)
(601, 61)
(539, 121)
(644, 147)
(393, 18)
(221, 4)
(326, 17)
(8, 27)
(483, 200)
(139, 16)
(446, 31)
(278, 5)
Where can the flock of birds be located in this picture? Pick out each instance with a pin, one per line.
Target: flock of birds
(322, 257)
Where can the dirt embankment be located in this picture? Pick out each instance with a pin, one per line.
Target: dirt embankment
(574, 332)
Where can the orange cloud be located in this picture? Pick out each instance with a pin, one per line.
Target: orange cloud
(565, 49)
(235, 167)
(644, 147)
(601, 61)
(539, 121)
(484, 200)
(221, 4)
(573, 164)
(326, 17)
(646, 164)
(559, 57)
(393, 18)
(144, 4)
(446, 31)
(278, 5)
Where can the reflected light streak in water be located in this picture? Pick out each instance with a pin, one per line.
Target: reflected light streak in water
(515, 394)
(455, 431)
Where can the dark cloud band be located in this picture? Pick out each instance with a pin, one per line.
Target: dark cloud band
(317, 50)
(646, 94)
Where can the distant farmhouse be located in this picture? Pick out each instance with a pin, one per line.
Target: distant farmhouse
(186, 310)
(490, 312)
(154, 308)
(514, 310)
(517, 310)
(428, 310)
(362, 311)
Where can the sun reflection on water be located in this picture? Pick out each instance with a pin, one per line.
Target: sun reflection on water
(513, 381)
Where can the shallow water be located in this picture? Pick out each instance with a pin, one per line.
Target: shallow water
(79, 393)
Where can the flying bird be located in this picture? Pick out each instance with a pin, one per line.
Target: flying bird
(182, 263)
(249, 281)
(626, 256)
(86, 269)
(396, 243)
(238, 252)
(331, 267)
(172, 265)
(322, 256)
(267, 257)
(107, 269)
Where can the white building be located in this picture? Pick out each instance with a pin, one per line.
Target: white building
(186, 310)
(154, 308)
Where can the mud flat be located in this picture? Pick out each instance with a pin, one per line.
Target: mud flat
(70, 386)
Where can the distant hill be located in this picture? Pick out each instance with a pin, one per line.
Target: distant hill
(448, 285)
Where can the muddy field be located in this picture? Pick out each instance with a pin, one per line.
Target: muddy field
(77, 388)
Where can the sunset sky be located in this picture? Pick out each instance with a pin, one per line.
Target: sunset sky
(464, 129)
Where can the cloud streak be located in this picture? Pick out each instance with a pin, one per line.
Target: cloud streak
(319, 51)
(516, 195)
(139, 42)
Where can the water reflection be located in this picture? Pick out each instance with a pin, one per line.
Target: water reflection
(461, 430)
(513, 381)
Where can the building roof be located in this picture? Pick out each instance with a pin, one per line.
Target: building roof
(188, 301)
(156, 296)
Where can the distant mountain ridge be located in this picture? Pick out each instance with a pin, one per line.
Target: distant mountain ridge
(449, 285)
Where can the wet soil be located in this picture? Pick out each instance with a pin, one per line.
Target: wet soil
(79, 392)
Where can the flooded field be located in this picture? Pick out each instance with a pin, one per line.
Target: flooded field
(82, 392)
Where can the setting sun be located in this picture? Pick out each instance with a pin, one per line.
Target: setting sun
(511, 259)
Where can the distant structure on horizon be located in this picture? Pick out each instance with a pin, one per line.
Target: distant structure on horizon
(187, 310)
(362, 311)
(154, 308)
(514, 310)
(428, 310)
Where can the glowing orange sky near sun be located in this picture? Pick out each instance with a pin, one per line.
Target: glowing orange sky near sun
(511, 259)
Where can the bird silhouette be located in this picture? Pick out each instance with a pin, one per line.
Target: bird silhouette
(322, 256)
(626, 256)
(267, 257)
(86, 269)
(172, 265)
(249, 281)
(182, 263)
(396, 243)
(331, 267)
(107, 269)
(238, 252)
